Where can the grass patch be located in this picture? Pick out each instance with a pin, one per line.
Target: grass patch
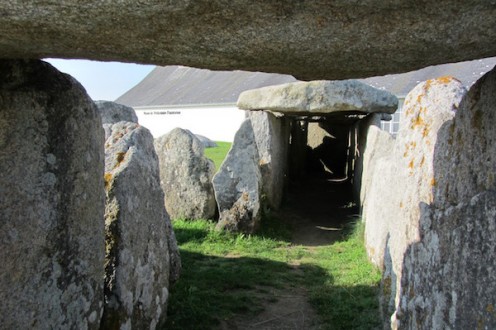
(218, 154)
(222, 273)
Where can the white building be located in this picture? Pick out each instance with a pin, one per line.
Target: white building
(202, 101)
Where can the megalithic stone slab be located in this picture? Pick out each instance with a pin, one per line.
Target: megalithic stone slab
(112, 113)
(404, 180)
(272, 142)
(138, 257)
(319, 98)
(449, 280)
(51, 200)
(186, 176)
(333, 39)
(238, 184)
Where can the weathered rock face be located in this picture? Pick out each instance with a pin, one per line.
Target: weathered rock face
(51, 200)
(186, 176)
(448, 277)
(404, 179)
(138, 234)
(207, 143)
(272, 141)
(311, 40)
(112, 112)
(373, 144)
(319, 97)
(238, 184)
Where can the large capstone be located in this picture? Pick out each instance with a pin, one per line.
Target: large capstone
(186, 176)
(449, 280)
(51, 200)
(319, 97)
(308, 39)
(139, 240)
(238, 184)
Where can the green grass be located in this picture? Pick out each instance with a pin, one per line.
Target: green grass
(223, 272)
(218, 153)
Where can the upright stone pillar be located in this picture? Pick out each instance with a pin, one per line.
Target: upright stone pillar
(140, 259)
(51, 200)
(272, 140)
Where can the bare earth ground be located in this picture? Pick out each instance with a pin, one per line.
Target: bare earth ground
(317, 211)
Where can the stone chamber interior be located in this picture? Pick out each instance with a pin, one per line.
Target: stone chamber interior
(319, 199)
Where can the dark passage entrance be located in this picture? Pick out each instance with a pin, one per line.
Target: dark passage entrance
(319, 201)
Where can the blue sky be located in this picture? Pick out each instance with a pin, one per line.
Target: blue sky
(103, 80)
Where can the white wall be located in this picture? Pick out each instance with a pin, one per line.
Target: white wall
(217, 122)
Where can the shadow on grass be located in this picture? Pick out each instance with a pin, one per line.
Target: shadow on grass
(347, 307)
(213, 288)
(188, 235)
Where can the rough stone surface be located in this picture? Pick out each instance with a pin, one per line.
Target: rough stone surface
(207, 143)
(138, 261)
(405, 179)
(186, 176)
(449, 277)
(309, 39)
(238, 184)
(51, 200)
(319, 97)
(112, 112)
(372, 144)
(272, 140)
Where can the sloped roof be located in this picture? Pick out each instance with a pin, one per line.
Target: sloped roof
(174, 85)
(179, 85)
(401, 84)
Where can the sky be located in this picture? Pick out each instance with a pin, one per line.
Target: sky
(103, 80)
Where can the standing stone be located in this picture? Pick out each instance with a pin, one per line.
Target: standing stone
(112, 113)
(238, 184)
(405, 179)
(372, 144)
(138, 261)
(449, 278)
(272, 140)
(51, 200)
(207, 143)
(185, 176)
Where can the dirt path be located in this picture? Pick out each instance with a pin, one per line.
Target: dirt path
(282, 310)
(317, 210)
